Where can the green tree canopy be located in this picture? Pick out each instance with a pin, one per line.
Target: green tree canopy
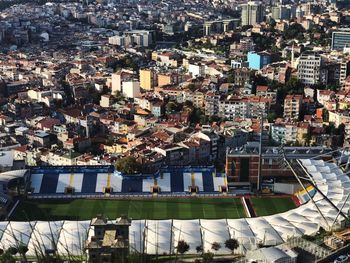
(215, 246)
(231, 244)
(128, 165)
(207, 257)
(294, 31)
(182, 247)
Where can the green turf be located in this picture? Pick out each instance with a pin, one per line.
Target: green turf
(160, 208)
(265, 206)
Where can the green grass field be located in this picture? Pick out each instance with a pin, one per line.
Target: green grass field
(84, 209)
(264, 206)
(157, 208)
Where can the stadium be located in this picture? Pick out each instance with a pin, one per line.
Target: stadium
(190, 204)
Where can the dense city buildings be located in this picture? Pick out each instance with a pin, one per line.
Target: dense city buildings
(144, 131)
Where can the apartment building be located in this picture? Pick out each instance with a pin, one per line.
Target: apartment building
(244, 107)
(148, 79)
(252, 13)
(292, 106)
(212, 101)
(310, 69)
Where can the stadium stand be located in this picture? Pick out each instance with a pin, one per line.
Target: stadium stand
(132, 185)
(160, 236)
(49, 183)
(303, 195)
(95, 180)
(177, 184)
(208, 181)
(36, 182)
(89, 183)
(163, 181)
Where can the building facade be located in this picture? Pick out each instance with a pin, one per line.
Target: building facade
(258, 60)
(340, 39)
(310, 69)
(252, 13)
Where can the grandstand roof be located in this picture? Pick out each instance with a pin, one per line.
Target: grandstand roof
(8, 176)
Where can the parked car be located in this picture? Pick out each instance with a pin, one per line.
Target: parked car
(341, 259)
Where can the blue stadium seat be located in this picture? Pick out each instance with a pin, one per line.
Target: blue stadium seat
(49, 183)
(177, 181)
(89, 183)
(132, 185)
(208, 183)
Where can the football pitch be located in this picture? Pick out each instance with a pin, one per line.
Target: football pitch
(265, 206)
(152, 208)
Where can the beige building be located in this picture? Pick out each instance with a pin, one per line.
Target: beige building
(164, 79)
(119, 77)
(131, 88)
(58, 158)
(148, 79)
(338, 117)
(106, 101)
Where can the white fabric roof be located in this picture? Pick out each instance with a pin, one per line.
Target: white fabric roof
(162, 236)
(7, 176)
(189, 231)
(42, 236)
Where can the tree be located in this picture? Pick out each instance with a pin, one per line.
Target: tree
(294, 31)
(172, 107)
(272, 23)
(199, 249)
(127, 165)
(216, 246)
(271, 117)
(182, 247)
(118, 96)
(232, 244)
(196, 116)
(12, 250)
(214, 118)
(23, 249)
(6, 257)
(325, 114)
(192, 87)
(207, 257)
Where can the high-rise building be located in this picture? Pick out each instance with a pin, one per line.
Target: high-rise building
(310, 69)
(283, 12)
(148, 79)
(141, 38)
(340, 39)
(252, 13)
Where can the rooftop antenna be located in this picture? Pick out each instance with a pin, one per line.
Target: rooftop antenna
(260, 151)
(292, 56)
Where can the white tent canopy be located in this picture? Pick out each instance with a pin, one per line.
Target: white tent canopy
(162, 236)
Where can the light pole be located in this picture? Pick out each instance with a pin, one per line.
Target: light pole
(260, 151)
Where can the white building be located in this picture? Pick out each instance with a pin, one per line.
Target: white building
(197, 70)
(141, 38)
(131, 88)
(310, 70)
